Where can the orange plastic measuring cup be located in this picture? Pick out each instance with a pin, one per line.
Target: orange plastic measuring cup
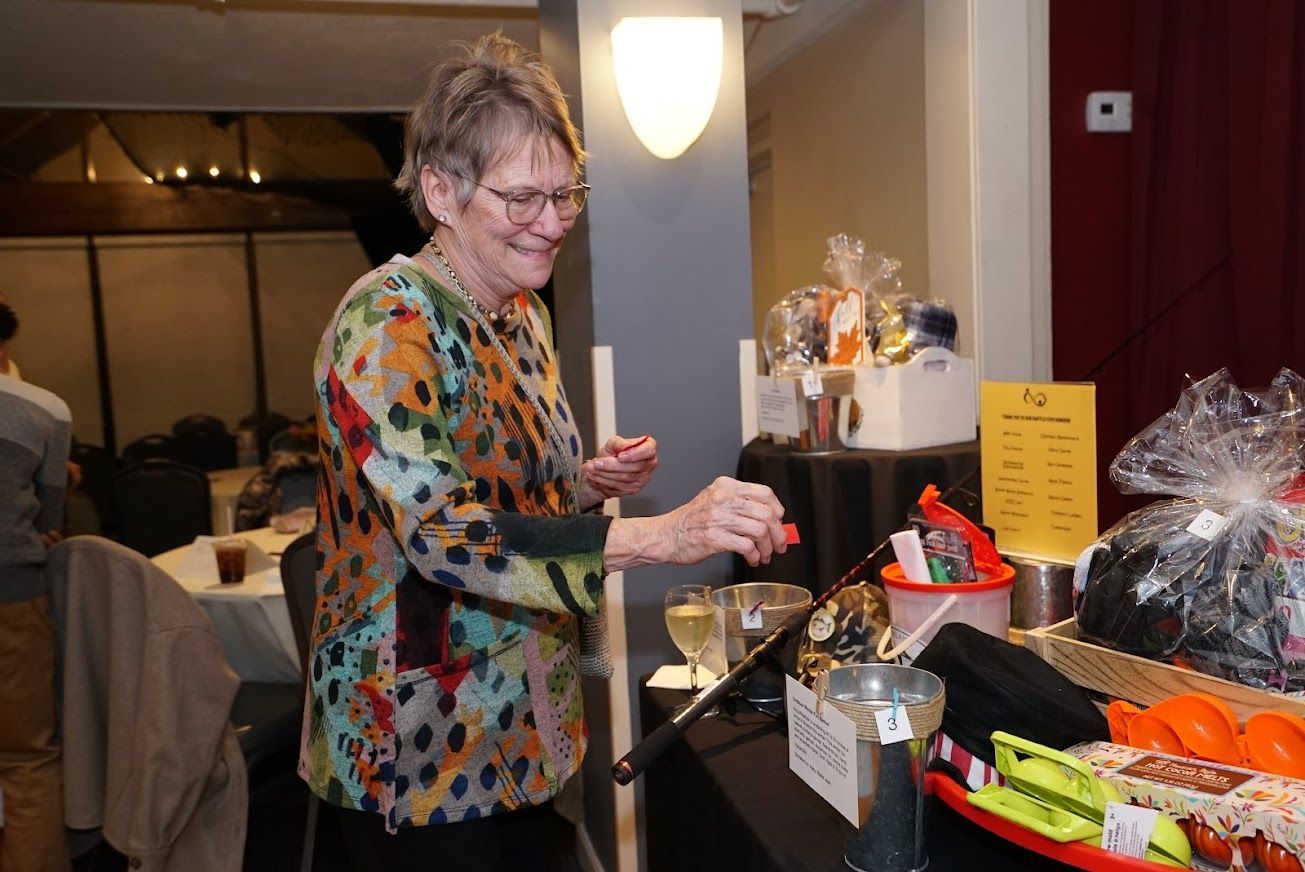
(1206, 726)
(1275, 742)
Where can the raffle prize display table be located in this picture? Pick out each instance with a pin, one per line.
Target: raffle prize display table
(723, 797)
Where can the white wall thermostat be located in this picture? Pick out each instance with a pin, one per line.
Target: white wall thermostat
(1110, 112)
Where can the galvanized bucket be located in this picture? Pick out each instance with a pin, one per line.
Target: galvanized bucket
(890, 778)
(826, 413)
(1043, 594)
(751, 612)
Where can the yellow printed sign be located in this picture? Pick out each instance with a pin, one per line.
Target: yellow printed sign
(1039, 455)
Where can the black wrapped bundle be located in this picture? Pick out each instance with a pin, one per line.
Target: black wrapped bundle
(1203, 579)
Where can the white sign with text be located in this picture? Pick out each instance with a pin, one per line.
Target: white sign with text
(777, 406)
(822, 749)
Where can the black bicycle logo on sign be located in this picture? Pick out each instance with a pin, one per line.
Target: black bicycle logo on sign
(1039, 399)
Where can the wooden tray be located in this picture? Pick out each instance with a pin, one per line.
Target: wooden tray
(1141, 681)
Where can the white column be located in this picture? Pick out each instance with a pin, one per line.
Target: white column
(986, 95)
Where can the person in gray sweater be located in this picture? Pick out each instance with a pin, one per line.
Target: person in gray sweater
(35, 436)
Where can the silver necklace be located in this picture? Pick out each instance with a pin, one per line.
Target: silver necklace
(480, 313)
(443, 262)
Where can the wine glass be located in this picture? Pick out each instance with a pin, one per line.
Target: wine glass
(690, 618)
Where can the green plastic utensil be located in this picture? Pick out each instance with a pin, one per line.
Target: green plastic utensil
(1065, 782)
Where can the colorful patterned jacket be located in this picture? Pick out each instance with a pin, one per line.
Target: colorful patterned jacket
(452, 563)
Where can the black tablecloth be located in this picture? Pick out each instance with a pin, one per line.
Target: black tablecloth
(723, 798)
(845, 504)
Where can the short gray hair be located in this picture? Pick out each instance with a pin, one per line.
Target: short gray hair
(478, 105)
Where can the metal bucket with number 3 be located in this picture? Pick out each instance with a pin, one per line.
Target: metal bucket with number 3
(896, 710)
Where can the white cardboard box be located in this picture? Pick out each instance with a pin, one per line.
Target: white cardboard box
(925, 402)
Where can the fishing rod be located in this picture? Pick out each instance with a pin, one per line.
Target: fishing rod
(642, 755)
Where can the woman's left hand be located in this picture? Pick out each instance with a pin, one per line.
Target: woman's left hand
(621, 469)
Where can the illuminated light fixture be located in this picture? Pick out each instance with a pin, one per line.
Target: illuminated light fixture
(668, 73)
(255, 177)
(213, 171)
(181, 172)
(159, 176)
(90, 172)
(148, 180)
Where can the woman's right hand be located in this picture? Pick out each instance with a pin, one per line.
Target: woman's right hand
(727, 516)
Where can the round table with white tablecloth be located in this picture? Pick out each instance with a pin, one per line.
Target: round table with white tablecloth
(250, 618)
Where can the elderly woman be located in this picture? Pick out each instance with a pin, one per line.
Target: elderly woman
(456, 548)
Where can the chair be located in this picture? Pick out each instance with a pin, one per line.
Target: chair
(264, 429)
(145, 690)
(299, 578)
(289, 440)
(198, 423)
(150, 447)
(98, 468)
(207, 449)
(160, 505)
(297, 489)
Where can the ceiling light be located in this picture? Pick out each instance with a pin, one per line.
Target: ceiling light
(255, 177)
(181, 172)
(213, 171)
(668, 73)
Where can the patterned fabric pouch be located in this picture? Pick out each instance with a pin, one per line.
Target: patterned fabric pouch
(843, 631)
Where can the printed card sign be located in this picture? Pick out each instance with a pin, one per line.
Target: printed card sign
(777, 406)
(713, 657)
(1039, 458)
(822, 749)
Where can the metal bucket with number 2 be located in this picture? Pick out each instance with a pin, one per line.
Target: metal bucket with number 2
(890, 771)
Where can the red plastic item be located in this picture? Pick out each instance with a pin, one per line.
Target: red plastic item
(1077, 854)
(791, 535)
(633, 445)
(986, 558)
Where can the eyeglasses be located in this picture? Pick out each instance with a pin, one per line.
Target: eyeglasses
(523, 207)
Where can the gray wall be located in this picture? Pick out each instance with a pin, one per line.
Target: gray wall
(662, 263)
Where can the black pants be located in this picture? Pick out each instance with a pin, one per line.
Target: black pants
(535, 838)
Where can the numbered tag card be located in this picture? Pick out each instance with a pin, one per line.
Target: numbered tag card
(1207, 525)
(751, 617)
(812, 384)
(894, 725)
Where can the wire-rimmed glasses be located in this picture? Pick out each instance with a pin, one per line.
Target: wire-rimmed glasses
(523, 207)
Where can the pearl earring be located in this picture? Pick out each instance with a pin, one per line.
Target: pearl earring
(441, 219)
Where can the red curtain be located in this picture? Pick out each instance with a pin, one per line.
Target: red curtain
(1218, 187)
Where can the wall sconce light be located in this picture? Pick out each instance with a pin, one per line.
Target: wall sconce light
(668, 74)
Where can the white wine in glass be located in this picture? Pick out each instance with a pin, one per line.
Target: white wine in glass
(690, 618)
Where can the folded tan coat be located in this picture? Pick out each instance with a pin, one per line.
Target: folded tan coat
(149, 754)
